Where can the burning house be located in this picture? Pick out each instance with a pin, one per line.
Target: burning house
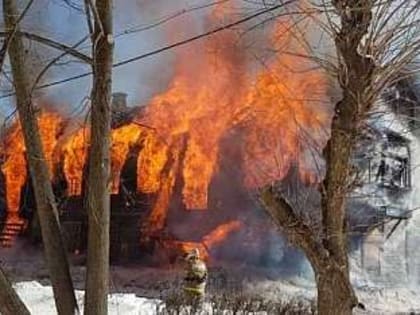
(185, 166)
(152, 215)
(158, 207)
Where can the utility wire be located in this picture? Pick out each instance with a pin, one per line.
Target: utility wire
(160, 50)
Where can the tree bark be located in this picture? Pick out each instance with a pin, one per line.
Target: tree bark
(55, 253)
(355, 78)
(98, 200)
(10, 303)
(335, 294)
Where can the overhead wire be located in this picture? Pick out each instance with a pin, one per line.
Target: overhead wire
(165, 48)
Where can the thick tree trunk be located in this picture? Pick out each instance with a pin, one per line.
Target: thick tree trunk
(337, 155)
(335, 294)
(354, 75)
(328, 253)
(10, 303)
(98, 201)
(55, 253)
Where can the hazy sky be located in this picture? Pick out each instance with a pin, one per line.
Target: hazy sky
(140, 80)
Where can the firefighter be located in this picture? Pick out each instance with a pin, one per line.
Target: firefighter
(195, 279)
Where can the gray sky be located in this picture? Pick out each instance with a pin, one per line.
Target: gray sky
(54, 19)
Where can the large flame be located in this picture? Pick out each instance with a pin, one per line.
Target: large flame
(212, 94)
(203, 101)
(150, 164)
(14, 169)
(122, 139)
(74, 158)
(15, 166)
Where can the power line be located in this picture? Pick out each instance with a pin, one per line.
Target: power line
(160, 50)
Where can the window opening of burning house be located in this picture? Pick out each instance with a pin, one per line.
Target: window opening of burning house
(387, 164)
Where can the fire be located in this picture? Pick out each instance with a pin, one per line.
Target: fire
(50, 127)
(207, 243)
(122, 139)
(203, 102)
(284, 120)
(220, 233)
(14, 169)
(211, 94)
(75, 149)
(74, 152)
(150, 163)
(15, 166)
(157, 218)
(277, 110)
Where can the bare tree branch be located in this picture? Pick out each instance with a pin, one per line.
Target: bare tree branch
(51, 63)
(168, 47)
(53, 44)
(11, 33)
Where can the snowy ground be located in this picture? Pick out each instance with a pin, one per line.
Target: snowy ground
(138, 289)
(39, 299)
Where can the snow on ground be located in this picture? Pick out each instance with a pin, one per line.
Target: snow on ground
(138, 290)
(377, 300)
(39, 298)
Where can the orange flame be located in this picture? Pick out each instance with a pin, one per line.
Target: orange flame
(150, 164)
(203, 102)
(220, 233)
(15, 166)
(213, 238)
(74, 158)
(122, 139)
(157, 217)
(211, 94)
(277, 110)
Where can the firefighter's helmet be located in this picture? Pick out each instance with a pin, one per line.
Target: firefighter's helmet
(193, 255)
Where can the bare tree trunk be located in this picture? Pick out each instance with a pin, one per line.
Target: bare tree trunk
(98, 200)
(355, 79)
(326, 247)
(335, 293)
(10, 303)
(55, 253)
(355, 76)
